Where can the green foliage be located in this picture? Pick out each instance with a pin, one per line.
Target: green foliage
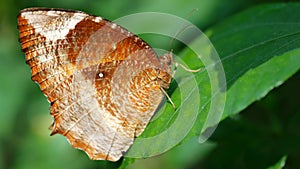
(257, 53)
(280, 164)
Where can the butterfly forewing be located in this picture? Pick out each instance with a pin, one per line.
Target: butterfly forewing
(100, 79)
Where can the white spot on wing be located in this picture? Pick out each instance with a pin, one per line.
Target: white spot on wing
(113, 26)
(55, 13)
(100, 75)
(97, 19)
(114, 47)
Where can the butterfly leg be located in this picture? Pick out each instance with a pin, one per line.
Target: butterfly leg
(170, 100)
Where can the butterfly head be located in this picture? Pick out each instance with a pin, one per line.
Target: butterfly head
(164, 73)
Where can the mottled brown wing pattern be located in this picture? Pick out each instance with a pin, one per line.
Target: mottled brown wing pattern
(103, 82)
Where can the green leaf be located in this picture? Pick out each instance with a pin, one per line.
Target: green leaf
(259, 49)
(280, 164)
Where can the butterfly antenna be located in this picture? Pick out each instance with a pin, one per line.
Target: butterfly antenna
(179, 31)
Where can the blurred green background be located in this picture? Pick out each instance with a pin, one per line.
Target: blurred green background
(256, 138)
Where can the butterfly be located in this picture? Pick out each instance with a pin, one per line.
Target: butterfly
(103, 83)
